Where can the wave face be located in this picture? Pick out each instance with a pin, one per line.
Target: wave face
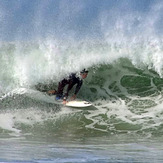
(124, 84)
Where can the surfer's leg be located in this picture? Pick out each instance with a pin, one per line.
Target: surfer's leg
(61, 86)
(70, 85)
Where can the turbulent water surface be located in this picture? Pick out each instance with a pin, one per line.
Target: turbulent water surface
(123, 53)
(126, 116)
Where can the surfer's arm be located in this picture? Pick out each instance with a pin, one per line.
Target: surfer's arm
(79, 84)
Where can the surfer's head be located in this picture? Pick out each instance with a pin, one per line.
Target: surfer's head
(84, 73)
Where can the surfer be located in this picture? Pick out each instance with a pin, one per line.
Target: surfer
(70, 81)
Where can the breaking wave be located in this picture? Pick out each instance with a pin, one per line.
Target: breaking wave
(124, 85)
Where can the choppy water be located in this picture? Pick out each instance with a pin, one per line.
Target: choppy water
(98, 149)
(123, 125)
(119, 42)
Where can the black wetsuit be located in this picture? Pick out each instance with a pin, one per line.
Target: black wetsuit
(71, 81)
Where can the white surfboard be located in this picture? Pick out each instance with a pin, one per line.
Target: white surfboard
(78, 104)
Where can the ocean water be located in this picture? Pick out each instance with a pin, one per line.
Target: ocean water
(120, 43)
(125, 123)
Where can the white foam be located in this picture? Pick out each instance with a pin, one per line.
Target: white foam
(7, 122)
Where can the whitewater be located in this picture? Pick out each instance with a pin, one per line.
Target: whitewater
(123, 53)
(126, 92)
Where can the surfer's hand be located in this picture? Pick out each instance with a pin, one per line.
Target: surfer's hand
(64, 102)
(73, 97)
